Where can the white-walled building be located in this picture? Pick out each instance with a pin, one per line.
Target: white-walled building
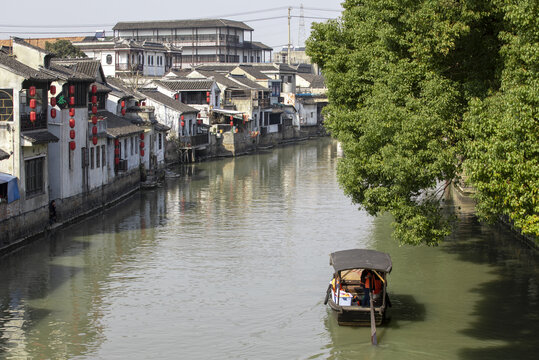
(126, 57)
(202, 41)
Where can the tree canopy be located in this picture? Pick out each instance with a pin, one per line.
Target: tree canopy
(64, 49)
(415, 97)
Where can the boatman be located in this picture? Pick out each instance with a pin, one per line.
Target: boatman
(367, 284)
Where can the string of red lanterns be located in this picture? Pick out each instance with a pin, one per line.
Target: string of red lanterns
(32, 93)
(72, 144)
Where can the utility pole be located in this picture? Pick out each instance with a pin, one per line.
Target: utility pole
(289, 9)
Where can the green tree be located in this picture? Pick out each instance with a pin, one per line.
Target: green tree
(400, 74)
(502, 154)
(64, 49)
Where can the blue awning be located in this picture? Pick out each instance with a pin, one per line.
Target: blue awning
(12, 187)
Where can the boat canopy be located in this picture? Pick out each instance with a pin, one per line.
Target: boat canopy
(360, 259)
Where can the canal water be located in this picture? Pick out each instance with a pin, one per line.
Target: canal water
(230, 260)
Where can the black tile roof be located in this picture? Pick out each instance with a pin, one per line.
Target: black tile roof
(39, 137)
(10, 63)
(221, 79)
(67, 74)
(186, 84)
(181, 24)
(85, 66)
(254, 72)
(118, 126)
(121, 90)
(161, 127)
(248, 83)
(168, 101)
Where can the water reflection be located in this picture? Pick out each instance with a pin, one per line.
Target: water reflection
(230, 260)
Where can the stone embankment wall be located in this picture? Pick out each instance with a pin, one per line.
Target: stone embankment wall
(19, 229)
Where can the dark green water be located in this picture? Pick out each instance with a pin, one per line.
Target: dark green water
(230, 261)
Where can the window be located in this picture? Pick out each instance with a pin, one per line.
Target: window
(92, 156)
(81, 95)
(103, 154)
(70, 157)
(290, 79)
(312, 114)
(132, 150)
(34, 176)
(97, 157)
(6, 104)
(109, 59)
(137, 144)
(160, 141)
(125, 148)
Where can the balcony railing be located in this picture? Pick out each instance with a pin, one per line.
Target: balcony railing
(40, 123)
(195, 140)
(129, 67)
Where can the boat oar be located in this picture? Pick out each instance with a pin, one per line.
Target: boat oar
(374, 341)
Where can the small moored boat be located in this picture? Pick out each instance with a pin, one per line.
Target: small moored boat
(347, 294)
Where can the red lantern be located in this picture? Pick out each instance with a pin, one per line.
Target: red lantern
(207, 94)
(94, 130)
(144, 103)
(72, 145)
(141, 136)
(141, 152)
(116, 142)
(94, 89)
(208, 100)
(72, 101)
(142, 144)
(94, 119)
(71, 90)
(72, 112)
(117, 151)
(94, 109)
(116, 161)
(32, 116)
(232, 123)
(176, 96)
(231, 117)
(198, 115)
(33, 103)
(199, 121)
(182, 123)
(72, 134)
(53, 101)
(52, 89)
(123, 103)
(94, 140)
(94, 99)
(53, 113)
(123, 111)
(32, 91)
(71, 123)
(181, 117)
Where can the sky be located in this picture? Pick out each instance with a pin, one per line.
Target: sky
(37, 18)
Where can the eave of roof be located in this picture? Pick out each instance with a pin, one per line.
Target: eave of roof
(181, 24)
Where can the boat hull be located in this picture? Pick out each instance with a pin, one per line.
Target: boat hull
(356, 315)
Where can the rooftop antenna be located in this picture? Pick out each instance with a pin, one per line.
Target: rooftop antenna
(301, 30)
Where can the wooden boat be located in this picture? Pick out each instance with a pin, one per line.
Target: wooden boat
(351, 267)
